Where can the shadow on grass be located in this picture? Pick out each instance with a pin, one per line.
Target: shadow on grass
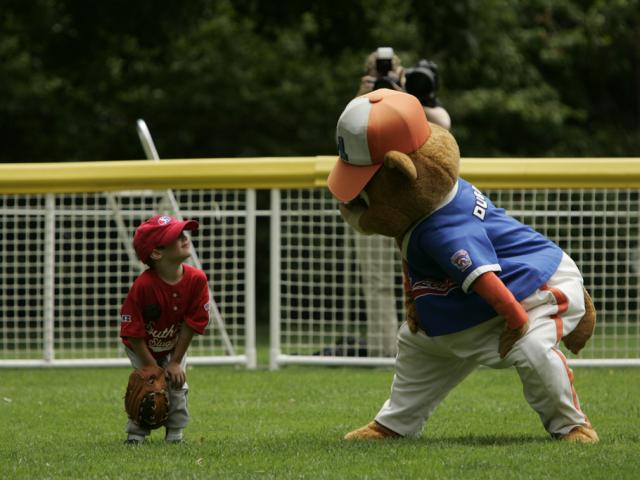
(281, 441)
(483, 440)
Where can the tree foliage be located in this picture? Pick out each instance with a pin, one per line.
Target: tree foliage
(251, 78)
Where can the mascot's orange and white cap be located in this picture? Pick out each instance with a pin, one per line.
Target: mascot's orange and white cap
(370, 126)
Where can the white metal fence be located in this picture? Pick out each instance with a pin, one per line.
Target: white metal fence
(319, 312)
(66, 264)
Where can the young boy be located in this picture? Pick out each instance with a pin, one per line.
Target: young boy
(165, 306)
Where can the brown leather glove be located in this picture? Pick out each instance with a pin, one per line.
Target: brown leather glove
(147, 398)
(510, 336)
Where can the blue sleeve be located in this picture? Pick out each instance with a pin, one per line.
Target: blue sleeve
(464, 254)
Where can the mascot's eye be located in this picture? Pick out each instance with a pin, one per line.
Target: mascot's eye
(363, 195)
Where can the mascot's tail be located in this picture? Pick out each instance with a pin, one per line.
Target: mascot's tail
(577, 339)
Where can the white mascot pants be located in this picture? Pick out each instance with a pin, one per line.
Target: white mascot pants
(427, 368)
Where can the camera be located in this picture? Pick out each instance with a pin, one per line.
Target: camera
(384, 65)
(421, 81)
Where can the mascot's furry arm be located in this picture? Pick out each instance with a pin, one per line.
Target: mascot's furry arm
(496, 294)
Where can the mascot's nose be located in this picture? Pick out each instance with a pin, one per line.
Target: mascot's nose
(364, 196)
(352, 212)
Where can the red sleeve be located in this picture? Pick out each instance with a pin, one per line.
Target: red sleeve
(198, 315)
(495, 292)
(131, 321)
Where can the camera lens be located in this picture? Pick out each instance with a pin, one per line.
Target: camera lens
(420, 82)
(383, 66)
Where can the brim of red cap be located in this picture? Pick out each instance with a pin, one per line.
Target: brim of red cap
(346, 181)
(174, 230)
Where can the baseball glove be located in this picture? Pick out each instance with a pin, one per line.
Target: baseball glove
(147, 398)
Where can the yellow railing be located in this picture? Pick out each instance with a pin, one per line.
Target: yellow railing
(300, 172)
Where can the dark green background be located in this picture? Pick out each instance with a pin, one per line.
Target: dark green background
(258, 78)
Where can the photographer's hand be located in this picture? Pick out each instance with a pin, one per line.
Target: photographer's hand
(366, 84)
(397, 87)
(397, 76)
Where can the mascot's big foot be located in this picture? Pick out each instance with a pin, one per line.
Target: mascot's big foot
(581, 435)
(372, 431)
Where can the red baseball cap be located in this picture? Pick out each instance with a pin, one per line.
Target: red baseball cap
(370, 126)
(159, 231)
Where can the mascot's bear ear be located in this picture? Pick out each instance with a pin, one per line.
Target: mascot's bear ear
(401, 162)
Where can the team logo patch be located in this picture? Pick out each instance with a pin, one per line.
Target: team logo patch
(461, 260)
(125, 318)
(164, 220)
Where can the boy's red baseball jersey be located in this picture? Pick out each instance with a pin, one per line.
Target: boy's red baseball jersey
(154, 309)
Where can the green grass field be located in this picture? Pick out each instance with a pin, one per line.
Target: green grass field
(68, 423)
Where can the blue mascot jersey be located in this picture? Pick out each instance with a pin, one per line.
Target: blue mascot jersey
(465, 237)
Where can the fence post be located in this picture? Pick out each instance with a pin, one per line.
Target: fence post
(274, 284)
(250, 281)
(49, 276)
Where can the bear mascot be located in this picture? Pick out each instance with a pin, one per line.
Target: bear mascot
(481, 288)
